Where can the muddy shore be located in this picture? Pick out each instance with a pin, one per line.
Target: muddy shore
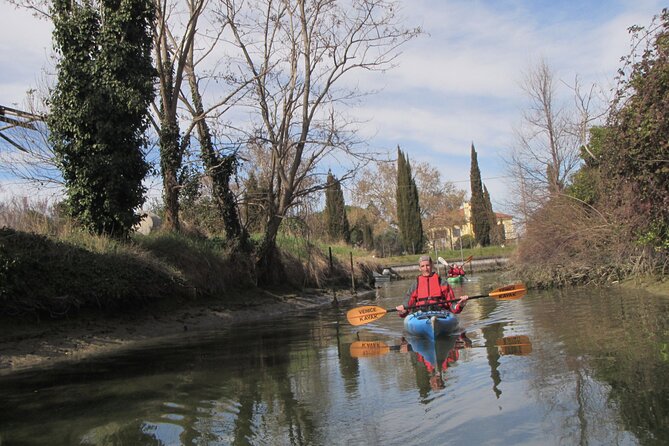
(46, 343)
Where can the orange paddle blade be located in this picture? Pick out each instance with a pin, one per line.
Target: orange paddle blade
(365, 315)
(468, 259)
(509, 292)
(365, 349)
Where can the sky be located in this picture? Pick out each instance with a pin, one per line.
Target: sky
(458, 84)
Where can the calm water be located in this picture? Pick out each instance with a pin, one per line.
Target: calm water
(582, 367)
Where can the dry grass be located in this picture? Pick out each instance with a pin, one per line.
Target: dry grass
(568, 242)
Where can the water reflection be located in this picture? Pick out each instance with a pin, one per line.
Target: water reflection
(594, 372)
(436, 356)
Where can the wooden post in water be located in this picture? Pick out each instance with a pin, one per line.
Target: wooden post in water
(352, 274)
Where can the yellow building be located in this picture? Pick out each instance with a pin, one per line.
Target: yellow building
(447, 237)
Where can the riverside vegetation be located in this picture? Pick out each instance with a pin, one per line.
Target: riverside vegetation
(49, 269)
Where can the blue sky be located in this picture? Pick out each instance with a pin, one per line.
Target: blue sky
(457, 84)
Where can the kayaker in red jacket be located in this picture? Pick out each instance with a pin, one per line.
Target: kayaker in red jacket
(430, 290)
(455, 271)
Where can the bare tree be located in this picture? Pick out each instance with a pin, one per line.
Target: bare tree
(30, 160)
(377, 184)
(298, 53)
(171, 55)
(28, 157)
(549, 139)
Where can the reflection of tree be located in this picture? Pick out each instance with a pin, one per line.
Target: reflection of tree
(228, 390)
(491, 333)
(349, 368)
(616, 386)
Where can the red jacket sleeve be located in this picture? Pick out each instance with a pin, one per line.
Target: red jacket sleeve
(448, 294)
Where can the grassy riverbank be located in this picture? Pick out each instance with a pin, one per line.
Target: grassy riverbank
(56, 277)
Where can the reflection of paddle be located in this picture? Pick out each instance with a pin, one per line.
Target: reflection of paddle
(370, 313)
(519, 345)
(363, 349)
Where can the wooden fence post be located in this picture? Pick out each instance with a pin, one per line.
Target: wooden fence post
(352, 274)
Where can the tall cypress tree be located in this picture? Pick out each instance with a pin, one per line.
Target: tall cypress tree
(408, 207)
(99, 109)
(480, 216)
(496, 231)
(335, 211)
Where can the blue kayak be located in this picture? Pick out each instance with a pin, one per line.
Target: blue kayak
(430, 324)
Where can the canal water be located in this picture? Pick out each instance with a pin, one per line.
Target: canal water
(560, 367)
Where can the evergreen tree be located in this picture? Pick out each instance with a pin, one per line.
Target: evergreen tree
(408, 207)
(497, 235)
(335, 211)
(480, 216)
(99, 109)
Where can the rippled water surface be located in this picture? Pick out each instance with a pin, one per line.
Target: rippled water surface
(576, 366)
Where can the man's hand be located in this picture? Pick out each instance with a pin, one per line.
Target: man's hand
(401, 310)
(462, 301)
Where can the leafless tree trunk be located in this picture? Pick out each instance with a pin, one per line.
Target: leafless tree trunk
(171, 57)
(297, 53)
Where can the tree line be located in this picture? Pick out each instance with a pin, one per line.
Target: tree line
(406, 224)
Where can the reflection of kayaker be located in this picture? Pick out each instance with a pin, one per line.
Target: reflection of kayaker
(518, 345)
(437, 356)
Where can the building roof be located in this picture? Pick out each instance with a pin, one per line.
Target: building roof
(503, 216)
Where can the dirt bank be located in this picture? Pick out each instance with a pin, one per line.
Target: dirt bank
(38, 344)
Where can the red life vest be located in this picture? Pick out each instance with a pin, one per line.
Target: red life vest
(428, 290)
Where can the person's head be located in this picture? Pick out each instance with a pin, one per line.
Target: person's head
(425, 265)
